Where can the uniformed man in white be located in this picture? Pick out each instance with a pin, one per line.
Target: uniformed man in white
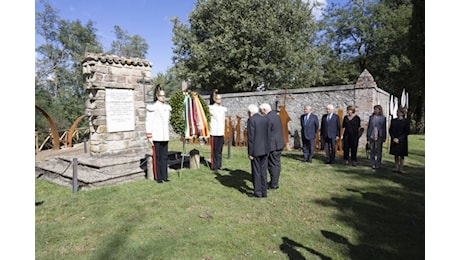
(157, 129)
(217, 130)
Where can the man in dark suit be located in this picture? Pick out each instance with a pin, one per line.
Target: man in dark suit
(330, 132)
(258, 138)
(276, 145)
(309, 125)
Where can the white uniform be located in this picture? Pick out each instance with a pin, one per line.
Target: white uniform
(217, 124)
(157, 121)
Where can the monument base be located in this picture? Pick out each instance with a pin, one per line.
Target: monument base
(94, 172)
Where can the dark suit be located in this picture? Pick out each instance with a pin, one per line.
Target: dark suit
(276, 147)
(330, 131)
(377, 127)
(308, 132)
(258, 138)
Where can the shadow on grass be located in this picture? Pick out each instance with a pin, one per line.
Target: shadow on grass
(390, 218)
(293, 155)
(291, 249)
(236, 179)
(319, 156)
(360, 251)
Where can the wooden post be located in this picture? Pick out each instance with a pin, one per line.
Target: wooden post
(339, 143)
(285, 119)
(148, 160)
(194, 159)
(75, 176)
(284, 124)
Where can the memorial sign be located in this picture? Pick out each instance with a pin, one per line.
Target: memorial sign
(119, 106)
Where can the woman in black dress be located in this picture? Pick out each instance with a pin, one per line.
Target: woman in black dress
(351, 125)
(399, 130)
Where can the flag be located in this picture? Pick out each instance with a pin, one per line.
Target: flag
(190, 128)
(201, 121)
(196, 123)
(403, 98)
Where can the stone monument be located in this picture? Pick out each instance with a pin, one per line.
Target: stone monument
(116, 103)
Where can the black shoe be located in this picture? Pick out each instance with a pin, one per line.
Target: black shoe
(166, 180)
(160, 181)
(274, 188)
(253, 195)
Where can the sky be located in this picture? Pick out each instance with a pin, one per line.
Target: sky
(146, 18)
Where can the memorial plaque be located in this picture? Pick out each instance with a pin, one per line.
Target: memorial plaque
(119, 106)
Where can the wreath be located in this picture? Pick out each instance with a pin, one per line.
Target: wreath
(177, 114)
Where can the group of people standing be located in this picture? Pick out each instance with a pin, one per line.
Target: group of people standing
(265, 141)
(330, 133)
(264, 138)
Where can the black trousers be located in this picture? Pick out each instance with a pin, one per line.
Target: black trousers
(259, 174)
(308, 148)
(274, 167)
(350, 147)
(217, 144)
(329, 147)
(160, 160)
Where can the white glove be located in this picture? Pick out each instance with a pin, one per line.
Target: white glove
(149, 137)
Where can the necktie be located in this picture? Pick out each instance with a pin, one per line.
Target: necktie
(328, 117)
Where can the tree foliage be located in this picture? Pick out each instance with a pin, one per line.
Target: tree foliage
(128, 46)
(240, 45)
(59, 80)
(377, 36)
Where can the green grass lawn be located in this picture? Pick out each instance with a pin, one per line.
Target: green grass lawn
(320, 212)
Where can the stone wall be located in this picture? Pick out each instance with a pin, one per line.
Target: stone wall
(364, 95)
(105, 72)
(112, 72)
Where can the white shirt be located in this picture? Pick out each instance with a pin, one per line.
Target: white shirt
(157, 121)
(217, 124)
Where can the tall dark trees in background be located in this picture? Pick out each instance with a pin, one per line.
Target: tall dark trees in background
(385, 37)
(417, 56)
(240, 45)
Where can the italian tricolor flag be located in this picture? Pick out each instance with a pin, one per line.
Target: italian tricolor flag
(195, 118)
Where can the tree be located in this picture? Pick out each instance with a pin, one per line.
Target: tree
(240, 45)
(59, 87)
(58, 65)
(416, 87)
(128, 46)
(375, 35)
